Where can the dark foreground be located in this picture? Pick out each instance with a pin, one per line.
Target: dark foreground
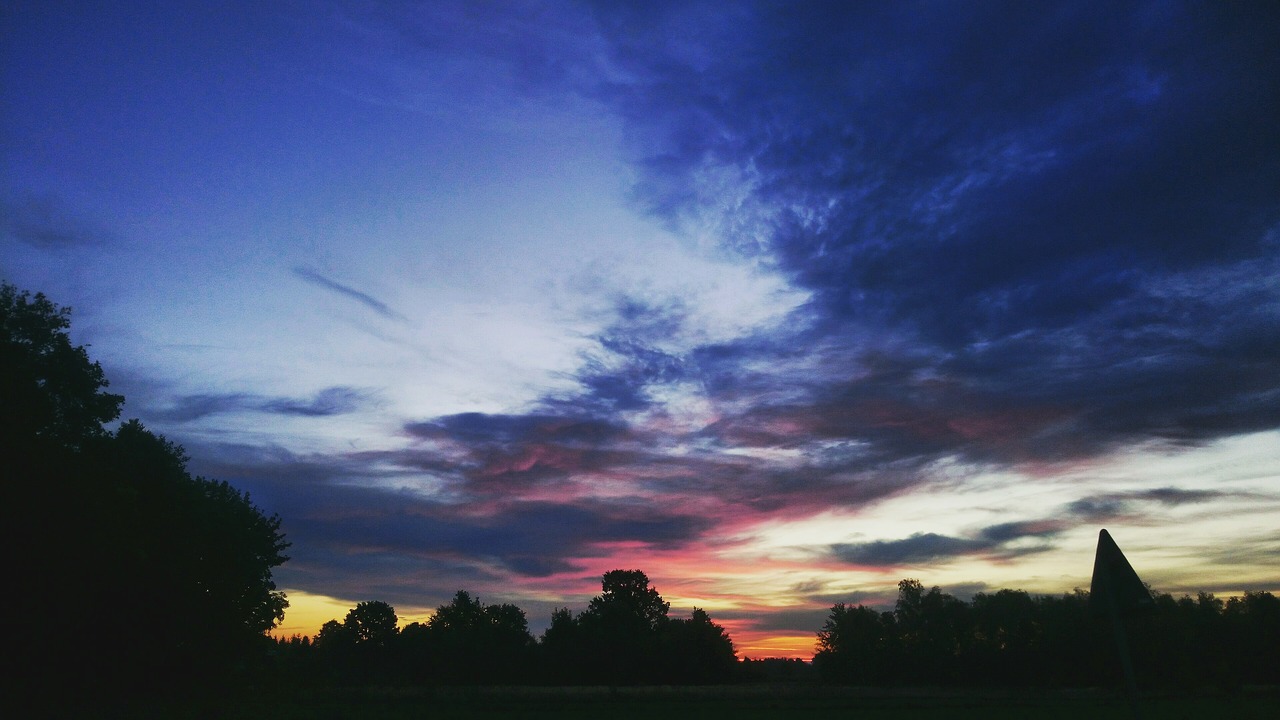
(739, 703)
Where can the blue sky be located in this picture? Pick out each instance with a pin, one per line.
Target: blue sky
(779, 302)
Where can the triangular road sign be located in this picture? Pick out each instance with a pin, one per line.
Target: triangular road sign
(1114, 581)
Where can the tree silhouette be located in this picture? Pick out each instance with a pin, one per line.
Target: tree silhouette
(696, 651)
(169, 574)
(1010, 638)
(853, 646)
(51, 394)
(628, 599)
(360, 648)
(335, 637)
(372, 623)
(473, 643)
(561, 649)
(1006, 635)
(625, 637)
(620, 628)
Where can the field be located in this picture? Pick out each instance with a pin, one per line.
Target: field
(739, 703)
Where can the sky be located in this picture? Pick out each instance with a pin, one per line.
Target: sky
(780, 302)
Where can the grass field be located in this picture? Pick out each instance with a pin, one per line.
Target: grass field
(739, 703)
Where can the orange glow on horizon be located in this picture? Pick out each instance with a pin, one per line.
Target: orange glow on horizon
(307, 612)
(760, 645)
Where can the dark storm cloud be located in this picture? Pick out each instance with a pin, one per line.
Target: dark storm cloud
(933, 549)
(1065, 215)
(46, 223)
(363, 298)
(327, 402)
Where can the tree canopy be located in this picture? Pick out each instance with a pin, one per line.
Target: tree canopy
(148, 573)
(1011, 638)
(624, 637)
(372, 622)
(51, 394)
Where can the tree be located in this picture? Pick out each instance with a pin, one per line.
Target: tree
(853, 645)
(930, 630)
(204, 542)
(561, 648)
(372, 623)
(620, 629)
(627, 598)
(696, 651)
(480, 644)
(362, 647)
(335, 637)
(51, 394)
(169, 574)
(1005, 635)
(1253, 631)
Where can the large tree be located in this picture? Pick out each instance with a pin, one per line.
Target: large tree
(854, 645)
(373, 623)
(136, 572)
(476, 643)
(697, 651)
(627, 599)
(51, 394)
(620, 629)
(626, 637)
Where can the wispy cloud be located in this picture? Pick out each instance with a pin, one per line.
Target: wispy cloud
(934, 549)
(1112, 506)
(327, 402)
(363, 298)
(44, 222)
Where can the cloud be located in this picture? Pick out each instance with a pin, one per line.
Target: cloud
(371, 519)
(325, 403)
(484, 428)
(1058, 236)
(1112, 506)
(365, 299)
(1000, 540)
(45, 223)
(352, 527)
(917, 549)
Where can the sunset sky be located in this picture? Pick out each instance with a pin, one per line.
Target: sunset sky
(780, 303)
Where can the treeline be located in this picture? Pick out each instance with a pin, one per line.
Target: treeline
(1008, 638)
(1012, 638)
(624, 637)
